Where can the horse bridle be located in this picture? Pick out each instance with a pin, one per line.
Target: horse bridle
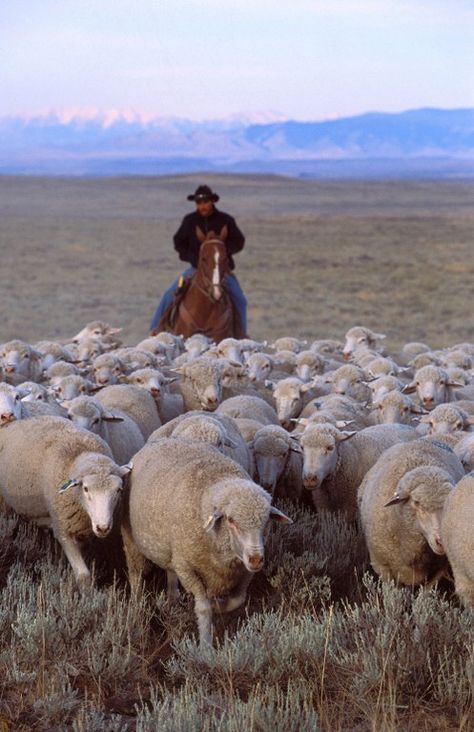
(207, 280)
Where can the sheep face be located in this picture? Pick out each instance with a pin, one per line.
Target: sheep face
(10, 404)
(270, 465)
(98, 494)
(288, 399)
(319, 455)
(19, 358)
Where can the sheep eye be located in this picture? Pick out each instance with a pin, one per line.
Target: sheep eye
(330, 448)
(380, 407)
(139, 381)
(39, 397)
(26, 355)
(442, 383)
(17, 397)
(95, 421)
(230, 520)
(83, 389)
(86, 489)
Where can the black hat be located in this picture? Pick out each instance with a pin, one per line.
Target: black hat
(203, 193)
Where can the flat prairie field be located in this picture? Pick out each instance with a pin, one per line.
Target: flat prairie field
(320, 256)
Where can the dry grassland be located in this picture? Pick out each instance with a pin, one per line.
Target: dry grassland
(319, 258)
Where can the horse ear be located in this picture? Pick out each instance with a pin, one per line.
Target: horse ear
(200, 234)
(224, 233)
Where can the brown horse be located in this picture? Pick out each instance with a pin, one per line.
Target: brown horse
(202, 304)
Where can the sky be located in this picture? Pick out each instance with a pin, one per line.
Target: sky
(218, 59)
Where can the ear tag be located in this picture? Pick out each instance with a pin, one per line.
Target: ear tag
(66, 485)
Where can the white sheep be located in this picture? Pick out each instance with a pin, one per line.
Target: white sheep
(201, 383)
(382, 385)
(116, 427)
(96, 329)
(447, 419)
(464, 449)
(349, 380)
(308, 365)
(334, 465)
(196, 514)
(249, 407)
(51, 351)
(291, 395)
(395, 407)
(457, 537)
(20, 362)
(216, 429)
(168, 405)
(400, 500)
(138, 403)
(288, 343)
(278, 461)
(69, 387)
(432, 385)
(68, 482)
(107, 369)
(359, 336)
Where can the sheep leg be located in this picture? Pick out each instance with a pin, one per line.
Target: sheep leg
(202, 605)
(172, 585)
(134, 558)
(237, 598)
(73, 553)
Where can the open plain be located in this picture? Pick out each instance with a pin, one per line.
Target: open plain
(321, 644)
(320, 256)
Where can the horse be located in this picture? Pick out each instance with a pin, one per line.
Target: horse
(202, 303)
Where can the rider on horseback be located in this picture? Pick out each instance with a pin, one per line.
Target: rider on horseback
(206, 218)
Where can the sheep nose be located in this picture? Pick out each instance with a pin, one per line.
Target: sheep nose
(9, 369)
(340, 390)
(346, 356)
(310, 482)
(102, 531)
(255, 562)
(7, 417)
(155, 391)
(103, 380)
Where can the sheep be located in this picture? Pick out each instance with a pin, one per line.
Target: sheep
(174, 343)
(250, 407)
(168, 405)
(196, 345)
(200, 385)
(11, 407)
(52, 352)
(20, 362)
(72, 386)
(457, 537)
(133, 359)
(161, 351)
(138, 403)
(289, 343)
(400, 502)
(349, 380)
(328, 348)
(278, 461)
(107, 369)
(117, 428)
(229, 348)
(335, 462)
(395, 407)
(88, 349)
(448, 418)
(259, 366)
(69, 482)
(96, 329)
(432, 385)
(291, 395)
(464, 449)
(218, 430)
(308, 365)
(342, 409)
(382, 385)
(196, 514)
(381, 366)
(54, 373)
(358, 336)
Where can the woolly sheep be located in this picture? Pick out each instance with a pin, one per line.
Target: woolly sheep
(308, 365)
(196, 514)
(349, 380)
(291, 395)
(173, 343)
(168, 405)
(133, 359)
(200, 385)
(382, 385)
(250, 407)
(278, 461)
(448, 418)
(54, 373)
(457, 537)
(160, 350)
(342, 409)
(117, 428)
(259, 366)
(216, 429)
(68, 387)
(69, 482)
(197, 344)
(395, 407)
(88, 349)
(358, 336)
(138, 403)
(289, 343)
(20, 362)
(464, 449)
(52, 352)
(400, 502)
(432, 385)
(107, 369)
(334, 465)
(96, 329)
(11, 407)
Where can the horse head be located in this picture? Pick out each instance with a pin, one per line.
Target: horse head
(213, 262)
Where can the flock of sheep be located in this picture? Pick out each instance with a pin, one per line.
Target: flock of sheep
(184, 443)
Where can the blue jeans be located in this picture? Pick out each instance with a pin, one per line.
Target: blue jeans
(233, 287)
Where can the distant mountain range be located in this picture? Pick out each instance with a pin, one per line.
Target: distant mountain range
(422, 142)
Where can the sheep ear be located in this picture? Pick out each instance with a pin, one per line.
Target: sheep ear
(278, 516)
(69, 484)
(126, 469)
(396, 499)
(111, 418)
(170, 379)
(342, 423)
(295, 445)
(211, 522)
(94, 389)
(307, 387)
(454, 384)
(416, 409)
(409, 388)
(229, 442)
(379, 336)
(345, 436)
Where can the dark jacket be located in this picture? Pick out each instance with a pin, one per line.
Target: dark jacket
(187, 243)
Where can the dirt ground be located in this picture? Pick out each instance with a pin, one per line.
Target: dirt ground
(320, 256)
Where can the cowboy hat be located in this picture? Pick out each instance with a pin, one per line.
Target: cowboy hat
(203, 193)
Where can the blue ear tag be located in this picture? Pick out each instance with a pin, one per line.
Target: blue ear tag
(269, 386)
(66, 485)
